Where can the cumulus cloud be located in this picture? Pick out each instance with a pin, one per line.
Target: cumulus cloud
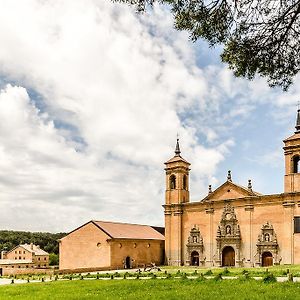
(95, 98)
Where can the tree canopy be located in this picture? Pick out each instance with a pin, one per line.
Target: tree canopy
(259, 36)
(47, 241)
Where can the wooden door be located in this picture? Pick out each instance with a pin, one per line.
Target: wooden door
(228, 257)
(267, 259)
(195, 258)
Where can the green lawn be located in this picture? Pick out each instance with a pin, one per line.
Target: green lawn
(151, 289)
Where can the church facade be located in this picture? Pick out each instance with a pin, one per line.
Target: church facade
(233, 225)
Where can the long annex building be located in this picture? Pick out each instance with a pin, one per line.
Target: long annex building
(233, 225)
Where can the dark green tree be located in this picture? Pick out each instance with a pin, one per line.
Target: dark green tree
(47, 241)
(259, 36)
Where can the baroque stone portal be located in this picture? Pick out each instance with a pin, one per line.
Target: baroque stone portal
(267, 247)
(195, 248)
(228, 239)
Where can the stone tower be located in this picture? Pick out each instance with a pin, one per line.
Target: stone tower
(292, 158)
(177, 193)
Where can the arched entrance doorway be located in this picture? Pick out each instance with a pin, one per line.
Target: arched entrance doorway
(267, 259)
(228, 257)
(195, 258)
(128, 262)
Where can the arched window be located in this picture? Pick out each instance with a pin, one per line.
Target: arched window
(172, 182)
(184, 182)
(296, 160)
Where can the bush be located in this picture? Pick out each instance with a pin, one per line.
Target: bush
(269, 278)
(201, 277)
(225, 272)
(218, 277)
(184, 276)
(209, 272)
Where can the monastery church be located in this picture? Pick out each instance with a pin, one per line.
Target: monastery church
(233, 225)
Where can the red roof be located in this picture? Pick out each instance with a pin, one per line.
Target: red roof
(129, 231)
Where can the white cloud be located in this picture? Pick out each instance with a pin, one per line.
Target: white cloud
(122, 86)
(117, 82)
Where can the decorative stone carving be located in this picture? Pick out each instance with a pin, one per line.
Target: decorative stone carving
(194, 246)
(267, 242)
(228, 235)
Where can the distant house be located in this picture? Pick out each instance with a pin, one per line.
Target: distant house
(32, 254)
(99, 244)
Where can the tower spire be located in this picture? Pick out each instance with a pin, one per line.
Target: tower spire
(177, 149)
(298, 121)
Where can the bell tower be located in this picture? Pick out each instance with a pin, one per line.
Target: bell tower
(292, 160)
(177, 193)
(177, 178)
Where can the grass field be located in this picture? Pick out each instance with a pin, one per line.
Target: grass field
(152, 289)
(175, 285)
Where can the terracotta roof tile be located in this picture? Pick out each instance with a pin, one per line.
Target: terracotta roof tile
(129, 231)
(35, 249)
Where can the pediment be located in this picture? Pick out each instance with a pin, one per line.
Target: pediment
(229, 190)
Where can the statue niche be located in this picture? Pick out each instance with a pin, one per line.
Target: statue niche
(267, 247)
(228, 239)
(195, 248)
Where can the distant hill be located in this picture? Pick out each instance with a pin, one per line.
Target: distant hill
(46, 240)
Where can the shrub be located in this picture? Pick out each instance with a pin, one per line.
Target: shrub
(201, 277)
(269, 278)
(225, 272)
(184, 276)
(209, 272)
(218, 277)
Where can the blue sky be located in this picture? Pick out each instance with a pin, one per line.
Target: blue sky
(92, 98)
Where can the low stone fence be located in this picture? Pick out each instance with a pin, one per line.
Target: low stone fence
(84, 270)
(26, 271)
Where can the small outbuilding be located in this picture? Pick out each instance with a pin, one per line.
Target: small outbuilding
(111, 245)
(37, 257)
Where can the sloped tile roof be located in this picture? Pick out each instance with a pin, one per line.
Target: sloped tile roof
(35, 249)
(129, 231)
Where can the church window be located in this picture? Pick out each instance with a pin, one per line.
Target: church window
(172, 182)
(296, 160)
(296, 224)
(184, 182)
